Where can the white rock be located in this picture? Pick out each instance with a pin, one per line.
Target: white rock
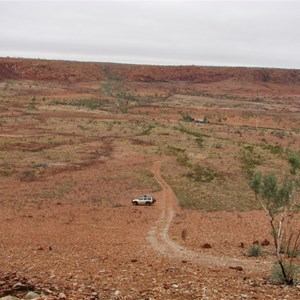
(48, 291)
(31, 295)
(19, 286)
(62, 296)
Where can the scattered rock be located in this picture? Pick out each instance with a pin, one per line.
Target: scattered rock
(242, 245)
(20, 286)
(166, 286)
(48, 291)
(184, 261)
(237, 268)
(265, 242)
(134, 260)
(31, 295)
(9, 298)
(62, 296)
(171, 269)
(206, 246)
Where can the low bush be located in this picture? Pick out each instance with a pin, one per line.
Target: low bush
(274, 149)
(202, 174)
(186, 117)
(191, 132)
(147, 129)
(291, 270)
(254, 250)
(200, 142)
(294, 160)
(31, 106)
(183, 160)
(249, 160)
(174, 150)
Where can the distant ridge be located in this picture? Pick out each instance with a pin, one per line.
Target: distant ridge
(54, 70)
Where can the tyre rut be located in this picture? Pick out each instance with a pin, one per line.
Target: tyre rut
(159, 239)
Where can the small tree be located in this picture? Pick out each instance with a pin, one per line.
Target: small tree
(279, 201)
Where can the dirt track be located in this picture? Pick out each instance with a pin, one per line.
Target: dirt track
(159, 238)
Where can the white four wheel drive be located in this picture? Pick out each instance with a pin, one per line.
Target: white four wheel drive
(144, 200)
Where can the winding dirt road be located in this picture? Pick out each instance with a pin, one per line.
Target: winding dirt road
(159, 239)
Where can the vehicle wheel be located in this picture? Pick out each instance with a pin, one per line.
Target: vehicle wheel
(135, 203)
(148, 203)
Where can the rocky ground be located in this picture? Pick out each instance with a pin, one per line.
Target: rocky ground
(79, 140)
(83, 251)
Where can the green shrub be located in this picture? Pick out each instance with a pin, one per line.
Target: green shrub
(86, 103)
(277, 150)
(191, 132)
(183, 160)
(294, 160)
(280, 134)
(184, 200)
(250, 160)
(174, 150)
(6, 173)
(254, 250)
(200, 142)
(290, 245)
(291, 270)
(291, 252)
(202, 174)
(147, 129)
(279, 201)
(218, 146)
(31, 106)
(186, 117)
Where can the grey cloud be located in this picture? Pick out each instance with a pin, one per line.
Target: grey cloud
(170, 32)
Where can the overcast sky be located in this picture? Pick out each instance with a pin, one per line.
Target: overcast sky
(222, 33)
